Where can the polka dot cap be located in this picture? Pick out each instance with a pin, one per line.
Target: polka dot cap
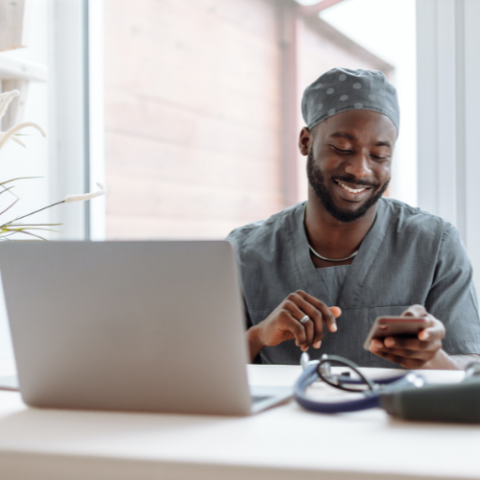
(342, 89)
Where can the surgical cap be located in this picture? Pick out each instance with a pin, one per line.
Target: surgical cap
(342, 89)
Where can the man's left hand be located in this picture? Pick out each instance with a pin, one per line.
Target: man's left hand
(412, 353)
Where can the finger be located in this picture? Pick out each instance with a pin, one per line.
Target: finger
(406, 354)
(291, 324)
(411, 343)
(411, 347)
(296, 313)
(336, 311)
(410, 363)
(436, 331)
(309, 330)
(376, 344)
(316, 318)
(328, 317)
(388, 356)
(415, 311)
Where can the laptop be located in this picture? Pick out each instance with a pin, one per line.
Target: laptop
(130, 326)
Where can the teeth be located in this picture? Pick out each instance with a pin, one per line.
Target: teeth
(351, 190)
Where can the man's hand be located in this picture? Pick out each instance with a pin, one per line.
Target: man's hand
(284, 324)
(413, 352)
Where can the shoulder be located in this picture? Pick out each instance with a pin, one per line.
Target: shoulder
(415, 222)
(267, 232)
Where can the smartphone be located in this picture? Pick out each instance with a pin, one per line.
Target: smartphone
(395, 327)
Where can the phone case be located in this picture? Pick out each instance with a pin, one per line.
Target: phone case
(386, 326)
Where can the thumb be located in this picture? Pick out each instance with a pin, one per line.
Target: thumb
(336, 311)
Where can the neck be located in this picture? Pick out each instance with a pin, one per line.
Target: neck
(330, 237)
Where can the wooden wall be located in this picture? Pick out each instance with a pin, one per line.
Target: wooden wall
(192, 97)
(193, 112)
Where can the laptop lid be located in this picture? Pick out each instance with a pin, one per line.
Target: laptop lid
(131, 326)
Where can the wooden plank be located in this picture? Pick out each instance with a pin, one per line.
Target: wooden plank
(136, 158)
(146, 196)
(190, 57)
(139, 227)
(193, 123)
(165, 123)
(166, 179)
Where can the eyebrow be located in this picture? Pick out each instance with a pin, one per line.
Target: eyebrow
(352, 138)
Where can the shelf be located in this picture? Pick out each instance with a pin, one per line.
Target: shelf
(17, 69)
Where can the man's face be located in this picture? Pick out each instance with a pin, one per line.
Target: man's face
(349, 161)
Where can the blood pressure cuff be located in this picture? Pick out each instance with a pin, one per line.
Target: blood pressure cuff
(439, 403)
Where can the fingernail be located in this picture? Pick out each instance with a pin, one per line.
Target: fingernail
(317, 345)
(389, 342)
(423, 335)
(333, 328)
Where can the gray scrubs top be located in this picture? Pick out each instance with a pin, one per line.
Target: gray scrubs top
(408, 257)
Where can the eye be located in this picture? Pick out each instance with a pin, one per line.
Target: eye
(341, 150)
(380, 158)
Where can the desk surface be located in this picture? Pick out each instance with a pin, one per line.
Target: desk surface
(277, 444)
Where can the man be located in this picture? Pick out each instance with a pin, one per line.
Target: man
(348, 246)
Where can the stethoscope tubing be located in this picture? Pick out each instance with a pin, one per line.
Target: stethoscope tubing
(372, 397)
(309, 376)
(380, 381)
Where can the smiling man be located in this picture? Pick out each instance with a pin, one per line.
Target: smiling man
(349, 247)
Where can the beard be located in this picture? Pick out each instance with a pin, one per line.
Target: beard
(317, 181)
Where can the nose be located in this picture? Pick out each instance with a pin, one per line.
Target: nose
(359, 166)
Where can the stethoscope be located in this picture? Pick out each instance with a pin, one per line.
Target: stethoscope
(371, 389)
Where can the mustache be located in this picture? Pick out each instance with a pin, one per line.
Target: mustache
(355, 181)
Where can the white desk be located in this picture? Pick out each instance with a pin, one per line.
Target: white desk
(283, 443)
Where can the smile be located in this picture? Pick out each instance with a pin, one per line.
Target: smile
(352, 190)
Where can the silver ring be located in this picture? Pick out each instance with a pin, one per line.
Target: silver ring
(304, 319)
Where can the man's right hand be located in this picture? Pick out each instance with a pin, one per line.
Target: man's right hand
(284, 324)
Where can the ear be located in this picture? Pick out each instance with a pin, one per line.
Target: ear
(305, 141)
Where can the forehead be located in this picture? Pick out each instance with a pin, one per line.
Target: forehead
(358, 125)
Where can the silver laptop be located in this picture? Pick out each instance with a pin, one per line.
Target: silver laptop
(130, 326)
